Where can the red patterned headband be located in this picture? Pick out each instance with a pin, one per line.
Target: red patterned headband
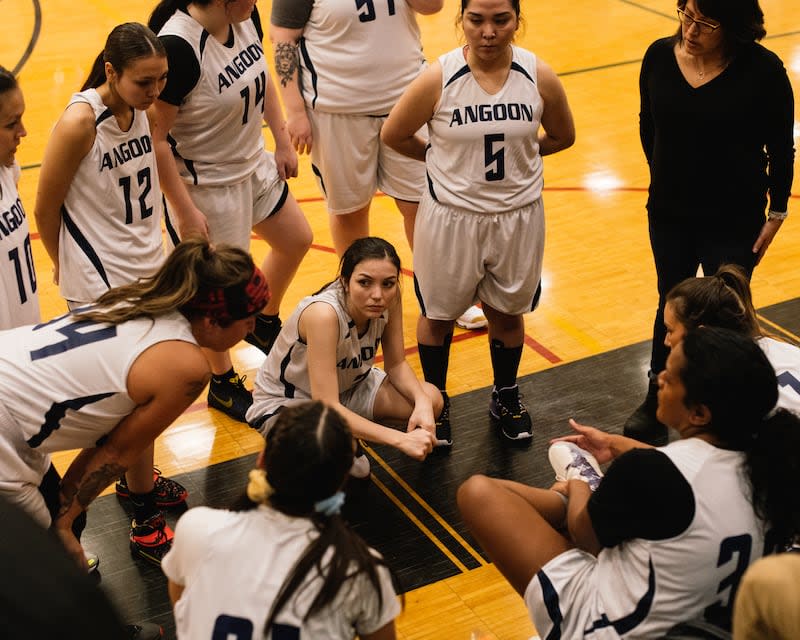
(233, 303)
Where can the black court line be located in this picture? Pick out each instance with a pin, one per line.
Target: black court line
(37, 28)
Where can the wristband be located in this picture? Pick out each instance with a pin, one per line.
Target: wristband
(777, 215)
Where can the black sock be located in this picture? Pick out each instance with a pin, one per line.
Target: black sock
(505, 363)
(223, 377)
(434, 361)
(144, 506)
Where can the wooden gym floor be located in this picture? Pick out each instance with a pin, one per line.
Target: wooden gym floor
(587, 352)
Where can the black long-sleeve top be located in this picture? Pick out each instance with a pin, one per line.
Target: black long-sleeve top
(718, 149)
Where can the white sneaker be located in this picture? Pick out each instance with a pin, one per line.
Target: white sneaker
(92, 561)
(360, 468)
(570, 462)
(472, 318)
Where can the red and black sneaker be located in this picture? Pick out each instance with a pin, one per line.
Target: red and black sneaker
(167, 492)
(152, 538)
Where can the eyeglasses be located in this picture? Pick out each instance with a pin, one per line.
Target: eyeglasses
(688, 21)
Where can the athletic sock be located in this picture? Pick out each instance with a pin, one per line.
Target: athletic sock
(505, 363)
(435, 361)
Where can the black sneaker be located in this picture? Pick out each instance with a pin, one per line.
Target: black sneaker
(152, 538)
(642, 424)
(167, 492)
(267, 329)
(230, 396)
(512, 416)
(444, 437)
(144, 631)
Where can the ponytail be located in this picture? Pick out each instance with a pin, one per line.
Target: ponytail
(97, 74)
(126, 43)
(166, 8)
(772, 465)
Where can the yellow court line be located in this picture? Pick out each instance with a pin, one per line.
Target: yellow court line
(461, 567)
(561, 322)
(424, 505)
(778, 327)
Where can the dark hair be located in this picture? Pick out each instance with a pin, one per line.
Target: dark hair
(7, 80)
(722, 300)
(514, 5)
(308, 454)
(125, 44)
(166, 8)
(742, 22)
(729, 374)
(371, 248)
(192, 266)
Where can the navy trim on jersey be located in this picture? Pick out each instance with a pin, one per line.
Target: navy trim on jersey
(317, 173)
(52, 419)
(281, 201)
(288, 387)
(430, 186)
(84, 245)
(627, 623)
(103, 116)
(203, 38)
(350, 326)
(516, 67)
(311, 70)
(550, 596)
(172, 232)
(418, 293)
(461, 72)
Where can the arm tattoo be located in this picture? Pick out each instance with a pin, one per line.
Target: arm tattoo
(286, 61)
(96, 481)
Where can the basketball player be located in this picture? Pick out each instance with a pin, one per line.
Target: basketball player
(218, 179)
(669, 532)
(484, 104)
(20, 301)
(327, 352)
(98, 207)
(356, 61)
(724, 300)
(110, 377)
(308, 574)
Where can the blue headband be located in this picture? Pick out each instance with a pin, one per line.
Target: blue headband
(330, 506)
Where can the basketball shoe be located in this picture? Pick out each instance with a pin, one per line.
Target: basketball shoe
(570, 462)
(167, 492)
(228, 394)
(472, 318)
(152, 538)
(265, 333)
(511, 415)
(444, 436)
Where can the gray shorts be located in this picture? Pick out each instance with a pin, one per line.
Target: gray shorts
(350, 162)
(359, 399)
(233, 210)
(461, 257)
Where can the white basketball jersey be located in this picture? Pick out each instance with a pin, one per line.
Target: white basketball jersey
(484, 154)
(65, 382)
(358, 57)
(210, 552)
(19, 302)
(785, 359)
(644, 587)
(111, 218)
(284, 373)
(217, 131)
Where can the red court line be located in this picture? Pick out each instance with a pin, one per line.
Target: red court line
(542, 350)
